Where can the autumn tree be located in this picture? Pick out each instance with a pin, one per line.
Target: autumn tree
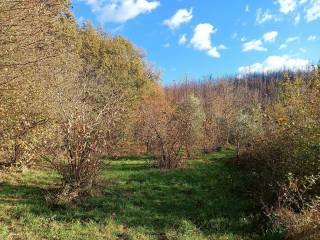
(247, 128)
(79, 134)
(35, 39)
(190, 119)
(223, 111)
(170, 132)
(93, 110)
(114, 63)
(290, 143)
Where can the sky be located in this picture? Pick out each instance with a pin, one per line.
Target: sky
(197, 38)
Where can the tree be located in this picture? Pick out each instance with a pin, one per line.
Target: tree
(190, 119)
(35, 41)
(171, 133)
(246, 129)
(80, 134)
(114, 63)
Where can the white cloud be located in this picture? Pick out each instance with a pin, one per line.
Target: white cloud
(287, 6)
(254, 45)
(243, 39)
(257, 44)
(180, 17)
(167, 45)
(247, 9)
(183, 39)
(222, 47)
(120, 10)
(312, 38)
(288, 41)
(213, 52)
(312, 12)
(311, 9)
(292, 39)
(94, 4)
(263, 17)
(201, 39)
(270, 36)
(275, 63)
(283, 46)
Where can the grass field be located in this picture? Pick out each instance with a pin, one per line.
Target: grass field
(134, 201)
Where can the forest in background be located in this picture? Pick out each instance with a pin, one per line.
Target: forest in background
(71, 95)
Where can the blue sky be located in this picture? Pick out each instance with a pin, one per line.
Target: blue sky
(196, 38)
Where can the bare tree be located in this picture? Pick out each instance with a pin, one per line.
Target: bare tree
(81, 132)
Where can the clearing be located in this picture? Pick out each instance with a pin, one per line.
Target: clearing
(135, 201)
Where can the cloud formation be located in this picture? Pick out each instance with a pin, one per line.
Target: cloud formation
(213, 52)
(183, 39)
(254, 45)
(287, 6)
(288, 41)
(257, 44)
(263, 16)
(201, 40)
(270, 36)
(309, 9)
(120, 10)
(275, 63)
(180, 17)
(312, 38)
(313, 11)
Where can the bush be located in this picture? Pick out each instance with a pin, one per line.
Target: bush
(300, 226)
(289, 144)
(172, 133)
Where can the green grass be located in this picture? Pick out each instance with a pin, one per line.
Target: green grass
(201, 201)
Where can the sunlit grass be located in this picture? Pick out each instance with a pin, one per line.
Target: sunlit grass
(134, 201)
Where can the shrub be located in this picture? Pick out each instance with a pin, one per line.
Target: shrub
(290, 143)
(300, 226)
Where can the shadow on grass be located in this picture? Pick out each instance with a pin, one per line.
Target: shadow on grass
(206, 193)
(130, 158)
(18, 193)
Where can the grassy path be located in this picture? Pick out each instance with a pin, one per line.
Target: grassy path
(201, 201)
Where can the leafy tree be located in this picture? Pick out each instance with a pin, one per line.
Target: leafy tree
(114, 64)
(190, 119)
(171, 133)
(35, 41)
(247, 127)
